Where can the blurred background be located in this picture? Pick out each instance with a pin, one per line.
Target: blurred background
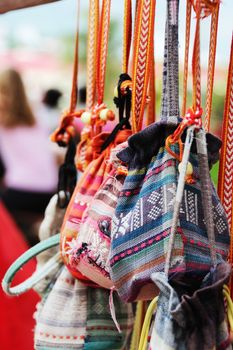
(38, 43)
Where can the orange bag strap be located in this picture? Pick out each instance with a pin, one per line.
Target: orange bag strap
(211, 64)
(202, 8)
(196, 65)
(186, 55)
(225, 178)
(92, 41)
(127, 36)
(102, 49)
(151, 107)
(98, 114)
(143, 36)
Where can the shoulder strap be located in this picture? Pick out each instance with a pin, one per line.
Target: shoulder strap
(143, 36)
(225, 179)
(202, 10)
(92, 40)
(170, 93)
(50, 266)
(127, 35)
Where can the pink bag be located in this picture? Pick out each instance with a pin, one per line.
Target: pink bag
(89, 251)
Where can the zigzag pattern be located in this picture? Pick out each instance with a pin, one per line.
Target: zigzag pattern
(142, 55)
(146, 13)
(228, 169)
(92, 52)
(211, 66)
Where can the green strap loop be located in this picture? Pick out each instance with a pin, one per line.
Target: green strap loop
(51, 264)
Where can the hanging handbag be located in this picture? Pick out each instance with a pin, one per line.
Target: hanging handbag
(72, 315)
(143, 217)
(79, 248)
(89, 250)
(225, 178)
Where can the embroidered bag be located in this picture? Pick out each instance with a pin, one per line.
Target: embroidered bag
(143, 217)
(191, 313)
(85, 239)
(97, 171)
(72, 315)
(90, 249)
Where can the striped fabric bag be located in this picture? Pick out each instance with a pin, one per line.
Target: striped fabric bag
(97, 171)
(90, 249)
(74, 316)
(143, 218)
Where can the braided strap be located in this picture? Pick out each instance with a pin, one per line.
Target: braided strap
(103, 49)
(186, 55)
(144, 27)
(50, 266)
(127, 34)
(93, 25)
(211, 64)
(225, 179)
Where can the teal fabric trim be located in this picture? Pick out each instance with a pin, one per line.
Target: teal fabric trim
(38, 275)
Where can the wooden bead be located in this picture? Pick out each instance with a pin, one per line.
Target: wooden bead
(110, 115)
(189, 170)
(86, 117)
(104, 114)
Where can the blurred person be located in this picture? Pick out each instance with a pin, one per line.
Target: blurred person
(49, 111)
(30, 171)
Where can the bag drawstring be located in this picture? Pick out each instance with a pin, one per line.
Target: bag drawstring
(112, 309)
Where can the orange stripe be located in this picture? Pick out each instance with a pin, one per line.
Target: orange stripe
(144, 28)
(127, 34)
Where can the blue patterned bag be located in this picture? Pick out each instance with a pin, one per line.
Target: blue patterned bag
(143, 217)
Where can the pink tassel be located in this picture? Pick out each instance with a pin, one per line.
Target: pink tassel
(112, 309)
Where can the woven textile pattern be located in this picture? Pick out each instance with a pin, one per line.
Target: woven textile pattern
(74, 316)
(90, 250)
(142, 222)
(101, 331)
(97, 171)
(193, 320)
(61, 316)
(170, 93)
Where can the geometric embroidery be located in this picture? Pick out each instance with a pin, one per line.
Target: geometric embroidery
(154, 212)
(170, 195)
(137, 216)
(120, 226)
(98, 308)
(157, 200)
(221, 226)
(154, 197)
(191, 208)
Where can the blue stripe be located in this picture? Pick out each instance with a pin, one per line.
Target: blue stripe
(142, 230)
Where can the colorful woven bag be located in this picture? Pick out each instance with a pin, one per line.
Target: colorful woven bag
(90, 249)
(74, 316)
(191, 313)
(95, 174)
(143, 217)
